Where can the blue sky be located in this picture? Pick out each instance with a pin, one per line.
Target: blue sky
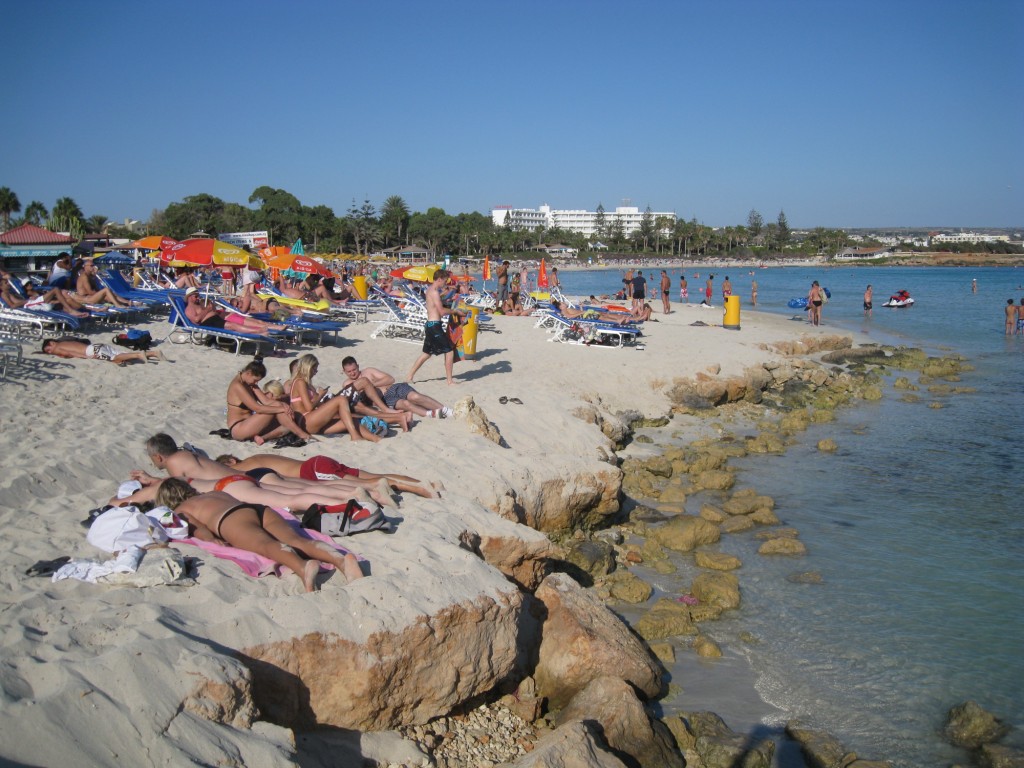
(883, 113)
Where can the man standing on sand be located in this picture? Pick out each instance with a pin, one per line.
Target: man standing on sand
(666, 289)
(639, 291)
(381, 389)
(867, 301)
(503, 283)
(436, 341)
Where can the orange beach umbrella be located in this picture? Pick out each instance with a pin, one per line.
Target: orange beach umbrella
(294, 262)
(153, 243)
(542, 275)
(204, 252)
(487, 268)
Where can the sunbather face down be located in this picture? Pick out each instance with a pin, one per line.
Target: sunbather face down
(84, 351)
(254, 528)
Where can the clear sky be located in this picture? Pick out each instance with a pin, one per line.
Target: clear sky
(880, 113)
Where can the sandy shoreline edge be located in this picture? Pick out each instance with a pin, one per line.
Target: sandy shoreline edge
(73, 430)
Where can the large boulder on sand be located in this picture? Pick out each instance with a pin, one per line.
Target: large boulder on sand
(582, 640)
(626, 724)
(573, 745)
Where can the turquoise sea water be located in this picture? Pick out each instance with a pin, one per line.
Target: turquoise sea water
(916, 525)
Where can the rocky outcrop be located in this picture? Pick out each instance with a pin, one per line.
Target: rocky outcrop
(970, 726)
(625, 724)
(708, 742)
(823, 750)
(684, 533)
(573, 745)
(391, 678)
(582, 640)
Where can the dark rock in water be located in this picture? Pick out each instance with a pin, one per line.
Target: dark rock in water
(863, 355)
(820, 749)
(648, 515)
(644, 439)
(595, 557)
(654, 421)
(717, 745)
(998, 756)
(968, 725)
(806, 577)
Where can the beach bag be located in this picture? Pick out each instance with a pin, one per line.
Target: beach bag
(120, 527)
(134, 339)
(345, 520)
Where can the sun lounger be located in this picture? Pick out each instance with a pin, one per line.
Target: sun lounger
(591, 333)
(400, 324)
(301, 328)
(198, 334)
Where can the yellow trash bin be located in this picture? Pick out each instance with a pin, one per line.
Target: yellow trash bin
(359, 286)
(469, 331)
(731, 321)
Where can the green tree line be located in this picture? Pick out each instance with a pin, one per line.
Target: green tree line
(364, 228)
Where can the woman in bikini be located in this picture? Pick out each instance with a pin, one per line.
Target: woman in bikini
(319, 416)
(253, 415)
(255, 528)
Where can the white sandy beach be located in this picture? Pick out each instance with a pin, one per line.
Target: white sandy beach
(100, 674)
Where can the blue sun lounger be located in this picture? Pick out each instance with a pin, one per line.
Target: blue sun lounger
(198, 334)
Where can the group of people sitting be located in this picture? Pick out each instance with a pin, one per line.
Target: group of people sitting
(369, 400)
(87, 292)
(231, 501)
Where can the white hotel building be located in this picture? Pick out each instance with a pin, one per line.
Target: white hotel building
(584, 222)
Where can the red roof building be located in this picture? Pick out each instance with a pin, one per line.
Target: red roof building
(30, 234)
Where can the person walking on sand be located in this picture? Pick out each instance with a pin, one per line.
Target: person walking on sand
(684, 292)
(868, 293)
(666, 289)
(753, 293)
(436, 341)
(814, 302)
(84, 351)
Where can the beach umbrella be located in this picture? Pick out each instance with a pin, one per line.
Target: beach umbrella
(487, 268)
(273, 250)
(542, 275)
(421, 273)
(153, 243)
(293, 263)
(114, 258)
(299, 248)
(204, 252)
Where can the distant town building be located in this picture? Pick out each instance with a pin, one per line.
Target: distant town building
(968, 237)
(583, 222)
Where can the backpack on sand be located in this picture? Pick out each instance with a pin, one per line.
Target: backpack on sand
(344, 520)
(134, 339)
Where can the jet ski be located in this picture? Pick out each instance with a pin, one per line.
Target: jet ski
(899, 299)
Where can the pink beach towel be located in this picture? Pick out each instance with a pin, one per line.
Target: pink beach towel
(257, 565)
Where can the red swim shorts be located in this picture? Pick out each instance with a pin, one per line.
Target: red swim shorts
(325, 468)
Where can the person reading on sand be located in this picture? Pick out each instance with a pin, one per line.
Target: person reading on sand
(83, 350)
(324, 468)
(436, 341)
(375, 387)
(255, 415)
(320, 413)
(219, 517)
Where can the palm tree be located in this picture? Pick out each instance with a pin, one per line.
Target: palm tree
(36, 213)
(394, 218)
(9, 203)
(67, 209)
(97, 224)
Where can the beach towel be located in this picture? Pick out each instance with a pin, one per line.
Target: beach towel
(257, 565)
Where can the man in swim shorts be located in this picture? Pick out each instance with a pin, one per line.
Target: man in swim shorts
(85, 351)
(436, 340)
(380, 389)
(868, 305)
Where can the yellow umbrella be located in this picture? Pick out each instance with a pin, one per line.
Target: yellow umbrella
(422, 273)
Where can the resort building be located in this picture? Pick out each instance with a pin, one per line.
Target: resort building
(969, 237)
(583, 222)
(28, 249)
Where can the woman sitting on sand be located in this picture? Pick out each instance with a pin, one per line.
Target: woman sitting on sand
(324, 468)
(254, 528)
(319, 415)
(254, 415)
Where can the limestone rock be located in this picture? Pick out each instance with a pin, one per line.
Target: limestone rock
(658, 466)
(224, 693)
(827, 445)
(581, 640)
(629, 587)
(706, 648)
(712, 459)
(998, 756)
(736, 524)
(821, 749)
(743, 503)
(672, 494)
(712, 513)
(684, 533)
(714, 480)
(573, 745)
(523, 557)
(782, 546)
(717, 589)
(716, 561)
(764, 517)
(665, 652)
(391, 678)
(968, 725)
(585, 499)
(468, 411)
(626, 725)
(667, 618)
(718, 746)
(766, 442)
(805, 577)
